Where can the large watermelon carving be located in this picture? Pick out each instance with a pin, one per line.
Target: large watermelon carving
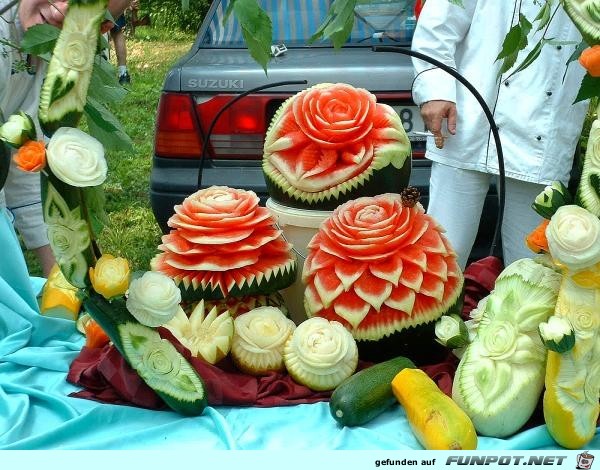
(331, 143)
(380, 265)
(224, 244)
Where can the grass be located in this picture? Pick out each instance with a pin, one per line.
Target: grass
(133, 232)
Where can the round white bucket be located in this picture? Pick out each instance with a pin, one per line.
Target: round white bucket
(298, 227)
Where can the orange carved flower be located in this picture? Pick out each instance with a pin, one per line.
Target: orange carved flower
(590, 59)
(379, 267)
(31, 156)
(223, 243)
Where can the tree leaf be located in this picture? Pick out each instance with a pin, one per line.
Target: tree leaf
(590, 87)
(104, 86)
(514, 42)
(338, 23)
(94, 199)
(257, 30)
(228, 11)
(544, 15)
(457, 2)
(576, 53)
(105, 127)
(40, 39)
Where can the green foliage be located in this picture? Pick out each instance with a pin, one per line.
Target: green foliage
(175, 15)
(338, 23)
(257, 29)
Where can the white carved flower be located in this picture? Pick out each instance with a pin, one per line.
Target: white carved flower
(574, 237)
(321, 354)
(18, 129)
(451, 331)
(76, 158)
(555, 329)
(259, 338)
(499, 340)
(153, 299)
(76, 52)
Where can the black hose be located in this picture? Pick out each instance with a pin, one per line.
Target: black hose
(224, 108)
(488, 115)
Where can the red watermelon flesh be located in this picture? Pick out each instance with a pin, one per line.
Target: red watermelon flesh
(329, 139)
(379, 267)
(222, 239)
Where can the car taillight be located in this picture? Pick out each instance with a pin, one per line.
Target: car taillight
(177, 134)
(239, 132)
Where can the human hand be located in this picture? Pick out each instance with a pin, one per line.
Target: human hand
(433, 112)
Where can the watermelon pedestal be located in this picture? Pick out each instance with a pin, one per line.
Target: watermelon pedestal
(298, 227)
(416, 343)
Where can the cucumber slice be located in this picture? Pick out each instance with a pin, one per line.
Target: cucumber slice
(163, 368)
(586, 16)
(156, 361)
(63, 95)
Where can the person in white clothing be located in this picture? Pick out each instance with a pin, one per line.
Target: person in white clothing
(538, 125)
(21, 78)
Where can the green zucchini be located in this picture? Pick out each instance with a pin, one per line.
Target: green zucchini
(586, 16)
(155, 360)
(366, 394)
(64, 92)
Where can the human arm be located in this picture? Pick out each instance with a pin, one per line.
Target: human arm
(440, 28)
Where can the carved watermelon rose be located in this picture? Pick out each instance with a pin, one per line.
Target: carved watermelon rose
(223, 243)
(378, 267)
(330, 143)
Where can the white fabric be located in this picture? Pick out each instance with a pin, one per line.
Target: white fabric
(538, 124)
(456, 201)
(19, 90)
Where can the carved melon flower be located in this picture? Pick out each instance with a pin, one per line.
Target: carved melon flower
(76, 158)
(329, 139)
(259, 338)
(378, 266)
(321, 354)
(206, 336)
(110, 276)
(223, 243)
(153, 299)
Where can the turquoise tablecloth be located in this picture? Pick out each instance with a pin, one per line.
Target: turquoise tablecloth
(36, 413)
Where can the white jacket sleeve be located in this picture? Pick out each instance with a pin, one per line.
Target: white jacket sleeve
(441, 26)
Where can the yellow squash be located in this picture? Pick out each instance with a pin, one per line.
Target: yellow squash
(437, 422)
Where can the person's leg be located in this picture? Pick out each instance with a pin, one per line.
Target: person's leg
(117, 35)
(519, 218)
(456, 199)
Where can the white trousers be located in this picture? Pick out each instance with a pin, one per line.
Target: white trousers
(456, 200)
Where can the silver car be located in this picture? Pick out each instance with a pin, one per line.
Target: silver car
(218, 67)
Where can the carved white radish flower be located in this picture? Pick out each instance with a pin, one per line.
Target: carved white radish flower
(574, 237)
(76, 158)
(153, 299)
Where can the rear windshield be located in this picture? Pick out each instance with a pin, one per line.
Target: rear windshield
(295, 21)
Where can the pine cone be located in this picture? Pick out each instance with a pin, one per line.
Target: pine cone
(410, 196)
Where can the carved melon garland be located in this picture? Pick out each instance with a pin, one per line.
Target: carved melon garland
(224, 244)
(331, 143)
(380, 265)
